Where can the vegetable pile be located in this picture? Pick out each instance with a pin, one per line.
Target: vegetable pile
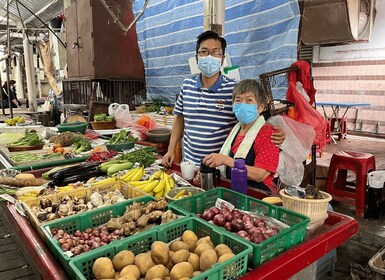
(136, 218)
(182, 259)
(244, 225)
(122, 137)
(29, 139)
(144, 156)
(26, 157)
(80, 145)
(79, 172)
(103, 118)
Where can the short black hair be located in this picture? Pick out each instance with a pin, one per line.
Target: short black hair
(210, 35)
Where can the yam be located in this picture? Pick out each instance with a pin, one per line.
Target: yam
(130, 270)
(223, 249)
(178, 245)
(180, 270)
(180, 256)
(207, 260)
(122, 259)
(144, 262)
(193, 259)
(103, 268)
(160, 252)
(157, 271)
(190, 238)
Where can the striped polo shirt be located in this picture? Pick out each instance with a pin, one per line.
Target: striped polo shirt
(208, 116)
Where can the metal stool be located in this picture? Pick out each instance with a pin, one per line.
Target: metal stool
(361, 164)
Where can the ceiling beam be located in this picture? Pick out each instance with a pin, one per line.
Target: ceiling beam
(41, 10)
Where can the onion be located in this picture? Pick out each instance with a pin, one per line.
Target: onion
(62, 241)
(66, 236)
(242, 233)
(228, 216)
(65, 247)
(257, 237)
(228, 226)
(105, 239)
(211, 222)
(77, 233)
(259, 223)
(219, 220)
(116, 232)
(248, 226)
(96, 232)
(90, 243)
(208, 215)
(85, 235)
(237, 225)
(266, 236)
(104, 230)
(60, 232)
(96, 239)
(225, 209)
(270, 232)
(215, 210)
(263, 229)
(254, 230)
(95, 245)
(82, 242)
(88, 230)
(247, 218)
(200, 215)
(54, 231)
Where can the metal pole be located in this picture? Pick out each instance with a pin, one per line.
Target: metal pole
(8, 61)
(30, 73)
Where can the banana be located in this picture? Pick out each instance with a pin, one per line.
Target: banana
(160, 186)
(179, 194)
(138, 175)
(171, 181)
(129, 174)
(167, 188)
(156, 175)
(148, 188)
(139, 183)
(159, 194)
(105, 181)
(272, 199)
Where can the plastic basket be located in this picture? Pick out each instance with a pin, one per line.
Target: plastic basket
(140, 243)
(85, 193)
(315, 209)
(266, 250)
(377, 264)
(103, 125)
(90, 219)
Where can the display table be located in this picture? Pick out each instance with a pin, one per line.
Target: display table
(337, 229)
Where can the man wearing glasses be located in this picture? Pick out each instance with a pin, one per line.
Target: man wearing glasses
(203, 110)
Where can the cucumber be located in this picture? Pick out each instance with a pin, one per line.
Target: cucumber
(105, 165)
(118, 167)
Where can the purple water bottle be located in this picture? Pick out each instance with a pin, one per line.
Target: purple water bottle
(239, 176)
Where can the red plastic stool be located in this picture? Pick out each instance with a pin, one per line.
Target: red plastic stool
(334, 126)
(361, 164)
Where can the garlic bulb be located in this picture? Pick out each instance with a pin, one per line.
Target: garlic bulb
(96, 199)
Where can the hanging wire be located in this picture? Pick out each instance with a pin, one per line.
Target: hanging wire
(53, 32)
(22, 22)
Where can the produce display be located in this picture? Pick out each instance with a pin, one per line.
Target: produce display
(137, 217)
(65, 138)
(30, 138)
(122, 137)
(48, 210)
(144, 156)
(181, 259)
(244, 225)
(103, 118)
(14, 121)
(80, 145)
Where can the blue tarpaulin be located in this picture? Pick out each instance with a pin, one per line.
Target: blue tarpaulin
(261, 36)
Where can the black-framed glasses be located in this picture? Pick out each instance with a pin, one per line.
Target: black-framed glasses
(213, 53)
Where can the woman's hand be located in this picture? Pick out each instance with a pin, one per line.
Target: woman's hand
(168, 159)
(215, 160)
(278, 136)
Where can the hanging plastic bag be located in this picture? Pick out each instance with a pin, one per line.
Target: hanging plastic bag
(123, 116)
(112, 109)
(56, 110)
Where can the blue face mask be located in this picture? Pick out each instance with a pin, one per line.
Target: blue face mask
(245, 113)
(209, 65)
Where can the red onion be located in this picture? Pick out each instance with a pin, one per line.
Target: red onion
(208, 215)
(263, 228)
(247, 218)
(54, 231)
(266, 236)
(96, 239)
(228, 226)
(88, 230)
(259, 223)
(96, 232)
(60, 232)
(105, 239)
(77, 233)
(116, 232)
(62, 241)
(200, 215)
(215, 210)
(211, 222)
(254, 230)
(90, 243)
(65, 247)
(225, 209)
(236, 225)
(257, 238)
(82, 242)
(248, 226)
(85, 235)
(228, 216)
(242, 233)
(219, 220)
(95, 245)
(270, 232)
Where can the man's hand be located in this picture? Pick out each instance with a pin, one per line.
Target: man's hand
(215, 160)
(168, 159)
(278, 136)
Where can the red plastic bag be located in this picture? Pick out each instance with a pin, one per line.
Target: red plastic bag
(142, 125)
(305, 113)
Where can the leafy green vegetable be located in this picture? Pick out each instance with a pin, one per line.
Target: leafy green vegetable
(81, 145)
(122, 137)
(103, 118)
(29, 139)
(144, 156)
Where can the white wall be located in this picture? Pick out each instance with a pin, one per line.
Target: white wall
(373, 50)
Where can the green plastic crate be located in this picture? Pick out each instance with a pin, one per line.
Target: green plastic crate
(266, 250)
(90, 219)
(141, 242)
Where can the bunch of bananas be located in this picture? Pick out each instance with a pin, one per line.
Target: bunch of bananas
(14, 121)
(133, 175)
(157, 185)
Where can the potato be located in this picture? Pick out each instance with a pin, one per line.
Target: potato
(127, 277)
(144, 262)
(160, 252)
(207, 259)
(205, 239)
(122, 259)
(222, 249)
(196, 273)
(180, 270)
(202, 248)
(190, 238)
(193, 259)
(180, 256)
(225, 257)
(158, 271)
(117, 275)
(185, 278)
(130, 270)
(178, 245)
(103, 268)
